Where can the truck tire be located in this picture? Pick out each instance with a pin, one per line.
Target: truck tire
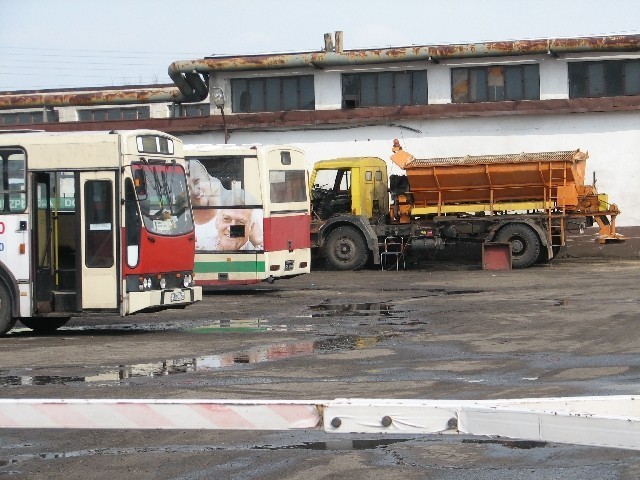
(525, 244)
(7, 321)
(44, 325)
(346, 249)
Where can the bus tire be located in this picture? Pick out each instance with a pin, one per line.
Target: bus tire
(346, 249)
(44, 325)
(7, 321)
(525, 244)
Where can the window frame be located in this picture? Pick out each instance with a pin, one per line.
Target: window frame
(7, 174)
(104, 234)
(29, 117)
(489, 83)
(590, 78)
(142, 112)
(374, 94)
(271, 94)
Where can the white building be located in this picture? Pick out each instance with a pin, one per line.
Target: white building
(438, 100)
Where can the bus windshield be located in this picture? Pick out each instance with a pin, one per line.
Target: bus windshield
(163, 197)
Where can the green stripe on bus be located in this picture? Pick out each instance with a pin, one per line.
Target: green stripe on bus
(226, 267)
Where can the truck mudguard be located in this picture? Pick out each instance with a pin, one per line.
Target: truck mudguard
(542, 233)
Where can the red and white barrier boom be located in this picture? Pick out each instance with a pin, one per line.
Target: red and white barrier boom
(608, 421)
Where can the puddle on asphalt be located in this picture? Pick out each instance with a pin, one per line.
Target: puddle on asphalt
(259, 354)
(432, 292)
(513, 444)
(236, 326)
(337, 445)
(340, 444)
(351, 309)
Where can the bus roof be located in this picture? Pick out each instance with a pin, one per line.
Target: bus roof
(88, 149)
(233, 149)
(68, 136)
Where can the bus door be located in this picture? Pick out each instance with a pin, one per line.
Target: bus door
(55, 240)
(42, 228)
(98, 229)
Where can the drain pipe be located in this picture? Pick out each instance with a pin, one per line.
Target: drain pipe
(102, 97)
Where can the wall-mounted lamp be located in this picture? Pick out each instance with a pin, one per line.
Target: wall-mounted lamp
(217, 95)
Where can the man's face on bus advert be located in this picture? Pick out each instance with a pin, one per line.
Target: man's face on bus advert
(227, 218)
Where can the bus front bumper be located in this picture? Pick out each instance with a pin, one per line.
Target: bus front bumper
(159, 299)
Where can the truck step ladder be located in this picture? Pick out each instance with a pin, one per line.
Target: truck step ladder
(392, 253)
(556, 214)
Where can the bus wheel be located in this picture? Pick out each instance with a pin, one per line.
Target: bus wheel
(345, 249)
(525, 244)
(44, 325)
(6, 320)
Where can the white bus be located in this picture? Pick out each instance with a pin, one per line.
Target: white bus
(252, 213)
(92, 222)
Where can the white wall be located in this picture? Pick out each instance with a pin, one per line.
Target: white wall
(612, 140)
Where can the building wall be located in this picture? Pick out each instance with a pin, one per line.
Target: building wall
(611, 139)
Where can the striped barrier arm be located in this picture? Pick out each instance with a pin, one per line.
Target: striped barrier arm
(608, 421)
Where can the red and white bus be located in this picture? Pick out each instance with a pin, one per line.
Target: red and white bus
(252, 213)
(92, 222)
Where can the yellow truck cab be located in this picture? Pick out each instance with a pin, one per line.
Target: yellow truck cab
(348, 196)
(356, 185)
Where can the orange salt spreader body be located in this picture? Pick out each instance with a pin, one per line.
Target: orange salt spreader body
(550, 181)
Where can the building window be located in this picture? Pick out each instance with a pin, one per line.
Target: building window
(191, 110)
(609, 78)
(495, 83)
(384, 88)
(102, 114)
(26, 118)
(272, 94)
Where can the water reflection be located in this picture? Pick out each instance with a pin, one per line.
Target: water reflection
(351, 309)
(258, 354)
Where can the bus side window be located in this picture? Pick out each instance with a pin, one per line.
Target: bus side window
(99, 228)
(132, 224)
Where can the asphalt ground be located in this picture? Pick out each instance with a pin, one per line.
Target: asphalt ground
(444, 330)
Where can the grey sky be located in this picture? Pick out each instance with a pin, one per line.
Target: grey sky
(74, 43)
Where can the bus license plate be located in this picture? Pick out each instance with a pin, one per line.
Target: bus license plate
(288, 265)
(176, 296)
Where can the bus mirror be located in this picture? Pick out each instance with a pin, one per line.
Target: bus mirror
(140, 182)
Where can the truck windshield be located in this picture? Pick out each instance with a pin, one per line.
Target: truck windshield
(163, 197)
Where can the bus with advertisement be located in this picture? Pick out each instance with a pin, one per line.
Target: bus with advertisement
(251, 211)
(92, 222)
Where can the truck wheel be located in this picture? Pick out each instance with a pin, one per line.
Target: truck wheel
(345, 249)
(6, 320)
(525, 244)
(44, 325)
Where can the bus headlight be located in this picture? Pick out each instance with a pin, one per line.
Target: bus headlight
(147, 283)
(163, 283)
(187, 280)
